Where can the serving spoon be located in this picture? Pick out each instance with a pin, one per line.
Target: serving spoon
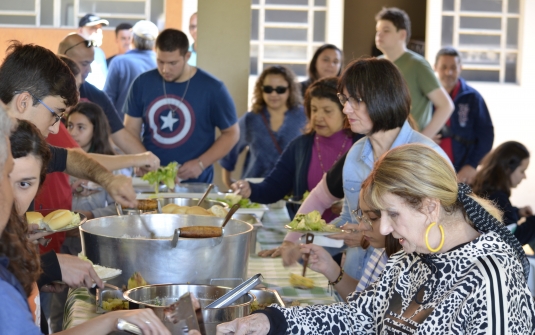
(205, 194)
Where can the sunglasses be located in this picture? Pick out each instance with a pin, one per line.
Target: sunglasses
(278, 89)
(88, 44)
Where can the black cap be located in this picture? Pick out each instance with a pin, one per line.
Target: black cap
(92, 20)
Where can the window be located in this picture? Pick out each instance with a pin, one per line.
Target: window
(286, 32)
(486, 33)
(59, 13)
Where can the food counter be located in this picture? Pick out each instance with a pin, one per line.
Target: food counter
(80, 304)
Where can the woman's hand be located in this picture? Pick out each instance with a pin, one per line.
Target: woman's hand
(34, 234)
(144, 318)
(525, 211)
(321, 261)
(256, 324)
(351, 239)
(244, 188)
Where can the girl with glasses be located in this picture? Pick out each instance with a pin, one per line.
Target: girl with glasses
(276, 118)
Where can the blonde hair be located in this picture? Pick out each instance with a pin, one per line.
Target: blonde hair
(415, 172)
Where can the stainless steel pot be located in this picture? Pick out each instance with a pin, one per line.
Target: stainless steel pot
(207, 203)
(253, 220)
(167, 294)
(124, 243)
(179, 188)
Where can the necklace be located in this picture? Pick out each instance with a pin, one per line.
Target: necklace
(374, 268)
(183, 95)
(319, 152)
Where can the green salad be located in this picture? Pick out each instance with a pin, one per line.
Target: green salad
(165, 174)
(312, 222)
(232, 199)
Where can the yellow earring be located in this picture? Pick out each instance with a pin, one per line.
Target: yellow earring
(441, 237)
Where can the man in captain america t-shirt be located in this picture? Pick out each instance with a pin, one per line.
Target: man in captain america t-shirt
(180, 107)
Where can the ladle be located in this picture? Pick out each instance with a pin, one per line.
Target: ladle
(231, 212)
(205, 194)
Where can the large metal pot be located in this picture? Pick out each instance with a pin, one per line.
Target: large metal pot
(207, 203)
(167, 294)
(124, 243)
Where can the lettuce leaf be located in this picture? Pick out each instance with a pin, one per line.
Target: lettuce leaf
(165, 174)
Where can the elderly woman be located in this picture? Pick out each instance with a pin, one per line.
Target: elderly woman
(460, 271)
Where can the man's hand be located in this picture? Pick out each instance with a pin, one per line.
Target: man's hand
(243, 187)
(121, 190)
(190, 170)
(466, 175)
(76, 272)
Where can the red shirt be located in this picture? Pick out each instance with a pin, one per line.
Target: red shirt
(445, 143)
(56, 191)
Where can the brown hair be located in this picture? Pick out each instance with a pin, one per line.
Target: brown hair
(398, 17)
(497, 167)
(313, 70)
(294, 99)
(325, 88)
(382, 88)
(23, 256)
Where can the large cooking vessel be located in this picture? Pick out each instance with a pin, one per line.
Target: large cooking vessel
(124, 243)
(167, 294)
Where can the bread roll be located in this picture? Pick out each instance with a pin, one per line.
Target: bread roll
(169, 208)
(34, 217)
(196, 210)
(58, 219)
(218, 211)
(180, 210)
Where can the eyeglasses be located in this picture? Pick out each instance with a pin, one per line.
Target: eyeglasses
(354, 102)
(88, 44)
(278, 89)
(359, 216)
(56, 115)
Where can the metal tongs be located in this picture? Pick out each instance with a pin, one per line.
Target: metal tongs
(237, 292)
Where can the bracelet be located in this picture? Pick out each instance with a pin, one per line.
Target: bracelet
(200, 164)
(332, 283)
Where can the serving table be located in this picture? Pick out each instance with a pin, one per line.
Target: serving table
(80, 305)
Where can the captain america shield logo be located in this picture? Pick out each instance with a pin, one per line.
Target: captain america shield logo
(171, 121)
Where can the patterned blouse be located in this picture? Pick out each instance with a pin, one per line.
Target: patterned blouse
(476, 288)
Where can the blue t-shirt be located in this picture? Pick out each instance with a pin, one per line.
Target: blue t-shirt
(122, 72)
(177, 127)
(15, 315)
(263, 154)
(92, 94)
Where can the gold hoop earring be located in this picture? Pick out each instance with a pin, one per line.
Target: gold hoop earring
(441, 237)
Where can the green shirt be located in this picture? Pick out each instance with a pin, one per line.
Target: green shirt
(421, 81)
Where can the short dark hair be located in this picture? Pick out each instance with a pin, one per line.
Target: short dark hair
(171, 40)
(447, 51)
(100, 143)
(398, 17)
(382, 88)
(496, 168)
(122, 26)
(33, 68)
(312, 70)
(75, 69)
(325, 88)
(27, 140)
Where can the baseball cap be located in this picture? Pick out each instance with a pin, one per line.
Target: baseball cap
(145, 29)
(92, 20)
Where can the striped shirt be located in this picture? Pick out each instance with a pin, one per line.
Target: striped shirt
(374, 268)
